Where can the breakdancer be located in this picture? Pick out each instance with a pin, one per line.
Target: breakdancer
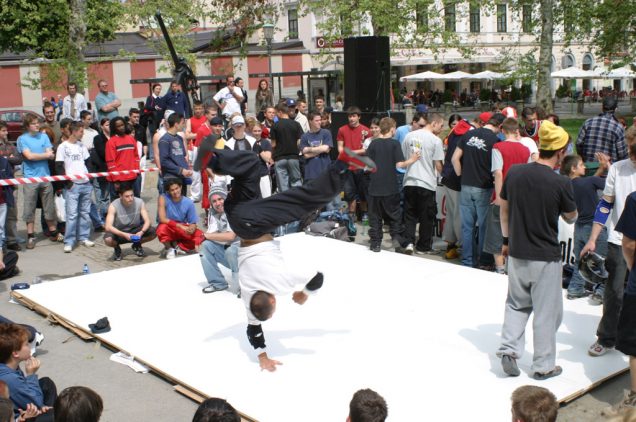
(262, 271)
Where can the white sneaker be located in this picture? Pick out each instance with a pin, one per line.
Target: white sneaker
(39, 338)
(68, 248)
(88, 243)
(171, 254)
(409, 249)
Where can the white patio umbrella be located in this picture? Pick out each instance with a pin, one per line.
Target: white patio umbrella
(423, 76)
(489, 75)
(620, 73)
(574, 72)
(457, 75)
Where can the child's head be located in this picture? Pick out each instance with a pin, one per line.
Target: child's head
(510, 128)
(386, 125)
(572, 166)
(78, 404)
(6, 410)
(534, 404)
(13, 339)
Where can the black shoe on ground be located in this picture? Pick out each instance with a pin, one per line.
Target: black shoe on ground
(117, 253)
(540, 376)
(139, 250)
(99, 229)
(14, 247)
(405, 251)
(375, 248)
(509, 365)
(578, 295)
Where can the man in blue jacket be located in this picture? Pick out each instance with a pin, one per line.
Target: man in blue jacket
(172, 152)
(176, 100)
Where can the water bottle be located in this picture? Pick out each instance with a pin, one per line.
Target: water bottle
(365, 224)
(85, 269)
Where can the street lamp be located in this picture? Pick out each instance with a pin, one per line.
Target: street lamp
(268, 33)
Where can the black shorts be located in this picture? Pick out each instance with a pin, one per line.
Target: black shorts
(626, 333)
(354, 186)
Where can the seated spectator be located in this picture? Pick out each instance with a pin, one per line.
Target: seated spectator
(178, 219)
(534, 404)
(35, 337)
(220, 246)
(216, 410)
(367, 406)
(127, 221)
(24, 387)
(78, 404)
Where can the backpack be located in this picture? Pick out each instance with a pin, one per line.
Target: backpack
(329, 229)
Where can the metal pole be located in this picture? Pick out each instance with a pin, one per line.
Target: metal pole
(269, 58)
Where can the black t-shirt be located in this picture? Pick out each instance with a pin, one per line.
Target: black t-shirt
(627, 225)
(477, 157)
(261, 145)
(586, 196)
(286, 133)
(536, 197)
(386, 153)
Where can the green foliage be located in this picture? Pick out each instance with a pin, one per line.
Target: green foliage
(484, 95)
(515, 93)
(563, 91)
(447, 96)
(48, 29)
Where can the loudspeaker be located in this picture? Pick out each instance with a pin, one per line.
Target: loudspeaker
(367, 73)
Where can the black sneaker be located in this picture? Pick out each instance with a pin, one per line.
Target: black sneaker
(139, 250)
(509, 365)
(117, 253)
(14, 247)
(375, 248)
(404, 251)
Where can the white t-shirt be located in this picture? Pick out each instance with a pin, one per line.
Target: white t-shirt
(73, 156)
(88, 138)
(231, 105)
(620, 182)
(302, 121)
(422, 172)
(531, 145)
(262, 267)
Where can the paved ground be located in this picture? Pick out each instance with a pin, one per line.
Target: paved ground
(144, 397)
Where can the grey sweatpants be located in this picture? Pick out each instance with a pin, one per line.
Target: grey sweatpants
(533, 286)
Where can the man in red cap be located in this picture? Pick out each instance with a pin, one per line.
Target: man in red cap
(472, 160)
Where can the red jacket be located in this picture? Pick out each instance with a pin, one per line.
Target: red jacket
(121, 154)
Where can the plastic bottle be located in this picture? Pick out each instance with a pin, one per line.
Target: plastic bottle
(365, 224)
(85, 269)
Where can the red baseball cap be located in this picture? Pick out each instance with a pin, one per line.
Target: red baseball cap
(485, 116)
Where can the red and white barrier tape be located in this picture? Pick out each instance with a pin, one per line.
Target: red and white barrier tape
(29, 180)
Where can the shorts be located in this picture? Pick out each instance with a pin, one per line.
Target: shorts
(493, 240)
(626, 331)
(31, 193)
(354, 186)
(121, 240)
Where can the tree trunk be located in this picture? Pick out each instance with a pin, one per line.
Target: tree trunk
(77, 41)
(544, 96)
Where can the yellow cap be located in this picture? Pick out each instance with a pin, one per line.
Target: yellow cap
(552, 137)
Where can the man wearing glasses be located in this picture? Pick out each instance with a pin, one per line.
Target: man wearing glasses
(106, 102)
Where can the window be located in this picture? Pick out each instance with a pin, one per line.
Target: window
(421, 16)
(502, 24)
(292, 23)
(526, 20)
(449, 17)
(474, 18)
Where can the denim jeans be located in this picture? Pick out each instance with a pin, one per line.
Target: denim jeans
(78, 208)
(3, 218)
(287, 173)
(102, 196)
(581, 235)
(473, 208)
(212, 254)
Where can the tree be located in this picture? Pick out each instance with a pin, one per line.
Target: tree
(57, 31)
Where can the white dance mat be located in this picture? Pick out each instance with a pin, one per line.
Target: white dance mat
(422, 333)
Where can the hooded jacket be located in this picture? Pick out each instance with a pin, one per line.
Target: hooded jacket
(450, 179)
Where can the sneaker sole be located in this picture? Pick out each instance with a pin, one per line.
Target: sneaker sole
(547, 375)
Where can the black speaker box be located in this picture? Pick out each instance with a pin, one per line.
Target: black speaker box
(367, 73)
